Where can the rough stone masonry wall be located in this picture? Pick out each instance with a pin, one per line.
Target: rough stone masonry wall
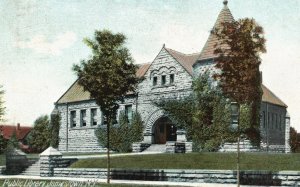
(267, 178)
(79, 138)
(163, 64)
(82, 138)
(273, 126)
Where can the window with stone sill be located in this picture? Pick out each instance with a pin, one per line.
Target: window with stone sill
(73, 118)
(128, 113)
(163, 80)
(171, 78)
(83, 118)
(94, 117)
(154, 83)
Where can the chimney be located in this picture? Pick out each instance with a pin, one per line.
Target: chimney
(18, 126)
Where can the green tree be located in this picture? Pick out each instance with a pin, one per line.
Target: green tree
(294, 142)
(137, 128)
(240, 45)
(204, 115)
(108, 75)
(54, 129)
(39, 137)
(3, 143)
(2, 108)
(13, 142)
(123, 134)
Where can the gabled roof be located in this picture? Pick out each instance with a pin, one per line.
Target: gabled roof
(8, 130)
(209, 47)
(186, 60)
(270, 97)
(76, 92)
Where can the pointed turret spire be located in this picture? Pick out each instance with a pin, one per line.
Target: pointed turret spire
(209, 47)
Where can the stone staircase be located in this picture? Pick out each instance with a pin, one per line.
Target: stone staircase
(156, 148)
(33, 170)
(245, 146)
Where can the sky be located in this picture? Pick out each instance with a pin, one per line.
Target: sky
(42, 39)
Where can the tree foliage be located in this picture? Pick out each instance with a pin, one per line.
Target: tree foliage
(54, 129)
(240, 45)
(39, 137)
(3, 143)
(123, 134)
(2, 108)
(204, 115)
(13, 142)
(109, 74)
(294, 140)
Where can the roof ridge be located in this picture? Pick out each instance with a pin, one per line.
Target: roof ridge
(280, 102)
(191, 54)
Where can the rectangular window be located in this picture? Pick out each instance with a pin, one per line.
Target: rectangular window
(277, 121)
(163, 80)
(171, 78)
(83, 118)
(264, 119)
(154, 81)
(128, 112)
(73, 118)
(94, 116)
(280, 123)
(269, 120)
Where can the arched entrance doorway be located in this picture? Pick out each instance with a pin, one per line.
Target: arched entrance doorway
(164, 130)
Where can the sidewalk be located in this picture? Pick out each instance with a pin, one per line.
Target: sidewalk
(112, 155)
(156, 183)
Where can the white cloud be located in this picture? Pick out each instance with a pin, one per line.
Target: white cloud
(40, 44)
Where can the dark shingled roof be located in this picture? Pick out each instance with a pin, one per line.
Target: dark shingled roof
(186, 60)
(209, 47)
(76, 92)
(270, 97)
(8, 130)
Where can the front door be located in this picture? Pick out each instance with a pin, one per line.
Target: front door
(164, 131)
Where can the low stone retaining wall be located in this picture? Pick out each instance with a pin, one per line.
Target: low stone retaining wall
(283, 178)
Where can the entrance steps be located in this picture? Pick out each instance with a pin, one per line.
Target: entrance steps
(156, 148)
(33, 170)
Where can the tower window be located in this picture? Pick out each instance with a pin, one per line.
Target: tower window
(171, 78)
(154, 81)
(163, 80)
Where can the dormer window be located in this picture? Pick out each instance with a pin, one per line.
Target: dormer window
(163, 80)
(154, 81)
(171, 78)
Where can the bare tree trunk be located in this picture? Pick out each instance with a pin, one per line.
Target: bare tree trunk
(108, 151)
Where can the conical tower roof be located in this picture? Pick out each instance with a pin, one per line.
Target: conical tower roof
(209, 47)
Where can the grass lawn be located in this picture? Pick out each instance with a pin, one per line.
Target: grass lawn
(19, 182)
(224, 161)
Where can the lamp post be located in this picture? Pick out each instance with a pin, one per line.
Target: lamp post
(234, 127)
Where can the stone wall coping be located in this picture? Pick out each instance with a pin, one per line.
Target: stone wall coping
(187, 171)
(50, 151)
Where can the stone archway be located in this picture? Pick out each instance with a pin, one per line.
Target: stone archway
(164, 130)
(159, 128)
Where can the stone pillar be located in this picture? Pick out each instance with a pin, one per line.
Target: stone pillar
(287, 133)
(181, 135)
(148, 138)
(49, 159)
